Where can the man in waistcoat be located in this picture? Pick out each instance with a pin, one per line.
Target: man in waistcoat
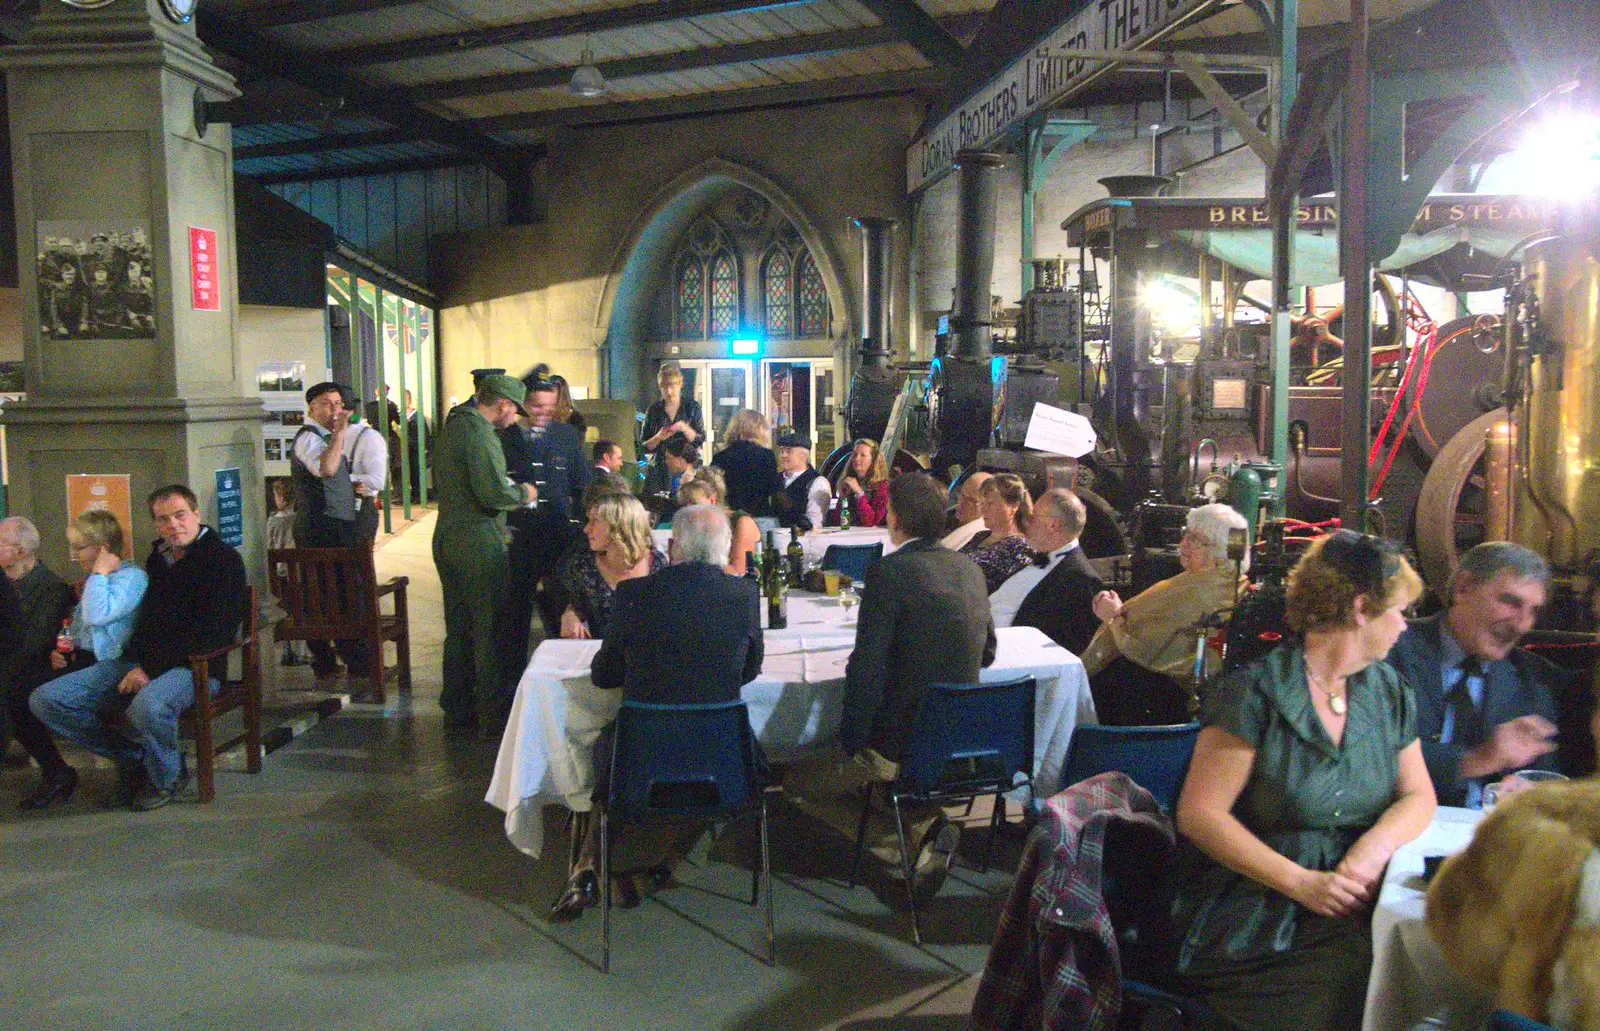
(325, 502)
(805, 494)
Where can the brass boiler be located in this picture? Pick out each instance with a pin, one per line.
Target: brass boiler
(1555, 501)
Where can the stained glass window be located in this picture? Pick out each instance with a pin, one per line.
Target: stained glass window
(777, 288)
(691, 300)
(724, 295)
(813, 297)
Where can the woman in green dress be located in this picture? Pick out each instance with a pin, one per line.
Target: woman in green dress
(1307, 777)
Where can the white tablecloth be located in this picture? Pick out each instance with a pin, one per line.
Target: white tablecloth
(1410, 980)
(816, 542)
(794, 705)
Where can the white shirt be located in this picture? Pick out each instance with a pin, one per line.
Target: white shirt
(308, 447)
(368, 453)
(957, 539)
(1009, 596)
(817, 496)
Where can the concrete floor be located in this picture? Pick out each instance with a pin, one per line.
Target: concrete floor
(361, 882)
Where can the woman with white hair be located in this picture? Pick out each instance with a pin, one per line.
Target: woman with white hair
(1141, 660)
(749, 465)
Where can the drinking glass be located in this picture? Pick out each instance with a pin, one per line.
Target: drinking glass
(1494, 794)
(847, 598)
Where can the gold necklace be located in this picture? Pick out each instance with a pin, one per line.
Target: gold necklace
(1336, 702)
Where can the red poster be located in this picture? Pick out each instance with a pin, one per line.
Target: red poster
(206, 296)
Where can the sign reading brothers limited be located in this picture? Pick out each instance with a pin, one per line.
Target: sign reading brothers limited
(1045, 75)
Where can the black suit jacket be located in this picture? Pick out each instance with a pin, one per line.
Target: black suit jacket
(690, 634)
(1512, 687)
(1062, 604)
(752, 474)
(924, 620)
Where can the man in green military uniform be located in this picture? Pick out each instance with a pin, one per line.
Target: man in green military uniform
(469, 547)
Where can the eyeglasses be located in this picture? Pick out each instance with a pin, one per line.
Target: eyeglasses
(1366, 561)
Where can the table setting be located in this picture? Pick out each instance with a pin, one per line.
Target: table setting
(795, 706)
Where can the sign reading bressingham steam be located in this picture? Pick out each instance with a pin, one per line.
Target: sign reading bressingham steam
(1045, 75)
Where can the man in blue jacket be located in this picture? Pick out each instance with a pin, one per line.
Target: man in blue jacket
(195, 603)
(1483, 709)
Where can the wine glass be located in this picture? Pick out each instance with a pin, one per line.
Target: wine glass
(847, 598)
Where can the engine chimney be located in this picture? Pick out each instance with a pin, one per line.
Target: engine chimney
(961, 384)
(978, 188)
(877, 255)
(875, 384)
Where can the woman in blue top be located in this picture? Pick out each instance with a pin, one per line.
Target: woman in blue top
(103, 619)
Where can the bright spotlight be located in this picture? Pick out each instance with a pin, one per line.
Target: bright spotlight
(1175, 312)
(1559, 157)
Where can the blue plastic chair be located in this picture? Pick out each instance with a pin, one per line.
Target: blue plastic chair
(674, 762)
(852, 559)
(1157, 758)
(1136, 885)
(1505, 1020)
(969, 740)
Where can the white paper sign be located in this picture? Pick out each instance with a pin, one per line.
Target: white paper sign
(1059, 432)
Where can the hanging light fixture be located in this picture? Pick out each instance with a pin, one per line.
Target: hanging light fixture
(587, 80)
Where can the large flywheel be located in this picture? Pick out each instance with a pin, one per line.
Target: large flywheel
(1453, 507)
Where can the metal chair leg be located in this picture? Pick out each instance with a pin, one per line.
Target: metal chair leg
(605, 893)
(995, 819)
(755, 871)
(861, 833)
(909, 863)
(766, 869)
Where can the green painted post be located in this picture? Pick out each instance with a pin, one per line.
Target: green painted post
(1286, 14)
(407, 327)
(379, 392)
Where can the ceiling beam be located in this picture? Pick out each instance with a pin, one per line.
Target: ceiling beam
(921, 30)
(658, 64)
(311, 175)
(761, 98)
(317, 73)
(322, 144)
(297, 11)
(584, 23)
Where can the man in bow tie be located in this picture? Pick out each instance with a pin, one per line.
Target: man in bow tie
(1483, 709)
(1056, 593)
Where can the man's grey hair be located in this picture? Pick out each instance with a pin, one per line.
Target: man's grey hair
(26, 533)
(1212, 523)
(700, 533)
(1486, 561)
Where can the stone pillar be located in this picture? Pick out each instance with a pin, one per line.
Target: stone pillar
(102, 106)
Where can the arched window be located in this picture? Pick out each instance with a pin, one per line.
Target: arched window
(724, 294)
(691, 299)
(812, 298)
(777, 293)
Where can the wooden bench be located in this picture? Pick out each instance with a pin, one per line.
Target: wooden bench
(242, 694)
(331, 594)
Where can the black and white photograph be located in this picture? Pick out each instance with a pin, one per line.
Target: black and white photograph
(95, 281)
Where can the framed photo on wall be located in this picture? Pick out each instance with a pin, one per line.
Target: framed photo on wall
(94, 280)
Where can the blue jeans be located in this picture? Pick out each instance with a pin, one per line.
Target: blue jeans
(79, 707)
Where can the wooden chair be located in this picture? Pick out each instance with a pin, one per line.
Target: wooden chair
(241, 694)
(331, 594)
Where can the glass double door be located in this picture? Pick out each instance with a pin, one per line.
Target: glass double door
(794, 394)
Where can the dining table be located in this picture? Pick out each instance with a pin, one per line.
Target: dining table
(795, 707)
(1411, 985)
(815, 543)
